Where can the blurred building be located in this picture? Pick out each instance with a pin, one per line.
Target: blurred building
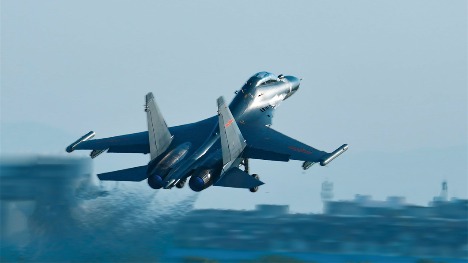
(362, 230)
(443, 196)
(327, 193)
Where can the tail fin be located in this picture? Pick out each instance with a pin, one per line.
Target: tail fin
(159, 136)
(232, 141)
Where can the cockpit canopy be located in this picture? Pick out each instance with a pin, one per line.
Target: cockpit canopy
(262, 78)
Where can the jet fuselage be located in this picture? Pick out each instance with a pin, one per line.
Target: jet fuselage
(254, 102)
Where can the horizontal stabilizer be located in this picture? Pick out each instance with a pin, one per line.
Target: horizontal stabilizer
(237, 178)
(135, 174)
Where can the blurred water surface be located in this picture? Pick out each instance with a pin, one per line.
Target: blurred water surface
(53, 211)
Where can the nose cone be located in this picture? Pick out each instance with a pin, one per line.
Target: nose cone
(295, 83)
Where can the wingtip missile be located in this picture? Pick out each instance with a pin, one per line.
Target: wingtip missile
(334, 154)
(83, 138)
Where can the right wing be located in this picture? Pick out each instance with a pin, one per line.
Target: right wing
(267, 144)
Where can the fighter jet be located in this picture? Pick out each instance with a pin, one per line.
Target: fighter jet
(212, 151)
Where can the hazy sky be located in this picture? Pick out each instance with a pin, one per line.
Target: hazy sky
(387, 77)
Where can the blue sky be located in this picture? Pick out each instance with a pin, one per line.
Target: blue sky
(387, 77)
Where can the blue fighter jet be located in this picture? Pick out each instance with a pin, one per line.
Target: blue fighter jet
(212, 151)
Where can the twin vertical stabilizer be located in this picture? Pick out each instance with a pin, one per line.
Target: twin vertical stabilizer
(159, 136)
(232, 144)
(232, 141)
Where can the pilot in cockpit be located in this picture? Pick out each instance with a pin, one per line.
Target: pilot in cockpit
(262, 78)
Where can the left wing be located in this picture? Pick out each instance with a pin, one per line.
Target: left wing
(129, 143)
(267, 144)
(195, 133)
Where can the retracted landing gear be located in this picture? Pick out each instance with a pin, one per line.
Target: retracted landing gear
(245, 163)
(181, 183)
